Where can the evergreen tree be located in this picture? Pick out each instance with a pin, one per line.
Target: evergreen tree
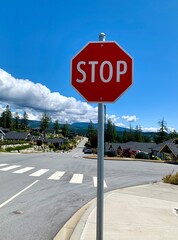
(131, 135)
(125, 136)
(138, 134)
(65, 130)
(24, 121)
(162, 133)
(45, 121)
(173, 134)
(16, 121)
(128, 135)
(110, 133)
(6, 118)
(56, 126)
(92, 135)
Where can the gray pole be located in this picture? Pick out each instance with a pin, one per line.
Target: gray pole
(100, 166)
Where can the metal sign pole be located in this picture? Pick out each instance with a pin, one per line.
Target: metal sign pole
(100, 166)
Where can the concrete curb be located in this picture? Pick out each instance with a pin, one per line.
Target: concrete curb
(125, 159)
(73, 225)
(128, 159)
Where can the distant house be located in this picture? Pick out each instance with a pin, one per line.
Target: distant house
(59, 141)
(133, 146)
(167, 148)
(12, 135)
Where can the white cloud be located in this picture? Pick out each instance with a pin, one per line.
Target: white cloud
(149, 129)
(128, 118)
(171, 129)
(36, 98)
(121, 125)
(114, 119)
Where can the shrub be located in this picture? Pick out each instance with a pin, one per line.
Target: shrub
(9, 149)
(141, 155)
(126, 152)
(172, 179)
(156, 158)
(111, 153)
(39, 143)
(168, 157)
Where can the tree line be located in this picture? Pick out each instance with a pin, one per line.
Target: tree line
(7, 120)
(136, 135)
(13, 122)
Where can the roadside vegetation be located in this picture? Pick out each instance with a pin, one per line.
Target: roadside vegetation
(18, 148)
(171, 178)
(47, 131)
(129, 135)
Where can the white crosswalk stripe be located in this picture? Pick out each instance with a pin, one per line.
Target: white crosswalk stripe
(39, 172)
(23, 170)
(9, 168)
(3, 164)
(77, 178)
(95, 182)
(57, 175)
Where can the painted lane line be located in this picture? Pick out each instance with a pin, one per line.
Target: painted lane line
(10, 168)
(77, 178)
(39, 172)
(16, 195)
(57, 175)
(23, 170)
(95, 182)
(3, 164)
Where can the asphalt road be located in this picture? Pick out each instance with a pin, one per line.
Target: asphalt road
(40, 192)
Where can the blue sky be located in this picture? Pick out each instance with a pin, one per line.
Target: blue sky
(38, 39)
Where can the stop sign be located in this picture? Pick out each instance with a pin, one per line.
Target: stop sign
(102, 71)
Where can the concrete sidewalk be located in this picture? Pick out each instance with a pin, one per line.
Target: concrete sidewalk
(143, 212)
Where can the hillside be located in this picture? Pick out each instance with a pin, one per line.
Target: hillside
(82, 127)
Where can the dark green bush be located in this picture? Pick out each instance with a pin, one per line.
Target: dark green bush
(142, 155)
(111, 153)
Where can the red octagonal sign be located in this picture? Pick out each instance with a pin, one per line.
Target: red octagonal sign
(102, 71)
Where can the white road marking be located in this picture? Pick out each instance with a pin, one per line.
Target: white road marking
(9, 168)
(57, 175)
(77, 178)
(39, 172)
(26, 169)
(95, 182)
(76, 155)
(3, 164)
(16, 195)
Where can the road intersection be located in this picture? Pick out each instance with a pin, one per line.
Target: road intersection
(40, 192)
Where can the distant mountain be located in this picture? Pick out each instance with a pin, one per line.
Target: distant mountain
(34, 123)
(82, 127)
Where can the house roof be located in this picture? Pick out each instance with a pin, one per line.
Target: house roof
(159, 146)
(17, 135)
(5, 130)
(55, 140)
(144, 147)
(172, 147)
(2, 132)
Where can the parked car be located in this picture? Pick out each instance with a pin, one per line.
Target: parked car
(88, 151)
